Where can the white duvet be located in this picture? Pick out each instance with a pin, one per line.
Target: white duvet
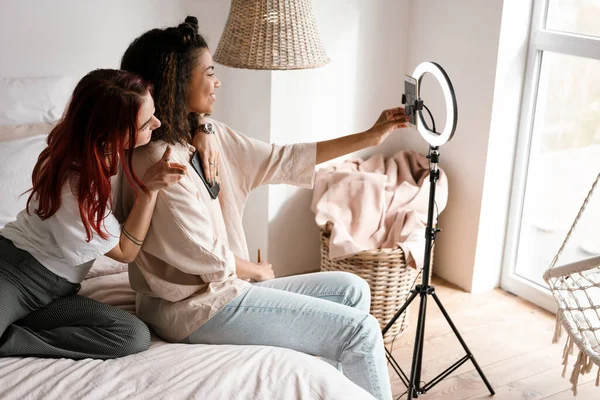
(174, 371)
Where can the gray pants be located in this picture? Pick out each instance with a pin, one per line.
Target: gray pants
(41, 315)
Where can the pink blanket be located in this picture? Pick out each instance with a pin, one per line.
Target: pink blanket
(377, 203)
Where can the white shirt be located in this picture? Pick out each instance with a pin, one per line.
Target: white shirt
(60, 243)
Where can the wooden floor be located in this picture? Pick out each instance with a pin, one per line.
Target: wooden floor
(510, 338)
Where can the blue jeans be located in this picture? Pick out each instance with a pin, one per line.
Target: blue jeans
(325, 314)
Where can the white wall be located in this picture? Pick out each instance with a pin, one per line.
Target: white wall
(462, 36)
(512, 59)
(73, 37)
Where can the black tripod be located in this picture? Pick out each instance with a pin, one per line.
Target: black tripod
(425, 289)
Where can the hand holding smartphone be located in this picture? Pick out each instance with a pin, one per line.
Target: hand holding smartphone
(409, 98)
(197, 164)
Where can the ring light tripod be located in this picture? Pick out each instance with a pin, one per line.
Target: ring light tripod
(414, 108)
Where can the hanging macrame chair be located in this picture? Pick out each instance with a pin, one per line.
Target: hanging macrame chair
(576, 289)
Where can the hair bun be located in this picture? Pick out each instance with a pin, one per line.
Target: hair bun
(192, 21)
(187, 32)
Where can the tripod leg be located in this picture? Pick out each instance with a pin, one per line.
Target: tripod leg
(462, 342)
(414, 293)
(392, 361)
(421, 346)
(391, 358)
(415, 370)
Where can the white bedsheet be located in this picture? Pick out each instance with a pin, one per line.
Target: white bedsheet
(174, 371)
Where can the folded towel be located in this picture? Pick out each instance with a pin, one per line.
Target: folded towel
(377, 203)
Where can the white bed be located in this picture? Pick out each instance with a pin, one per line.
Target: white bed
(165, 371)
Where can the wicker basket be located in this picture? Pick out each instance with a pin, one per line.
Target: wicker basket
(388, 275)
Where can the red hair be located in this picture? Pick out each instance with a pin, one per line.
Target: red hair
(100, 119)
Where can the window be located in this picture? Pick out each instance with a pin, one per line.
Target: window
(558, 154)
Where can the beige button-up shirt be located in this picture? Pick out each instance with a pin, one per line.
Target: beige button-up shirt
(185, 272)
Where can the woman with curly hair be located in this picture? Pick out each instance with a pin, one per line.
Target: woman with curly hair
(193, 270)
(67, 223)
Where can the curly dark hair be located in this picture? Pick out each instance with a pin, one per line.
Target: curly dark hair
(165, 58)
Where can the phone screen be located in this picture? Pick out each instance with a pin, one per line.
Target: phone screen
(410, 92)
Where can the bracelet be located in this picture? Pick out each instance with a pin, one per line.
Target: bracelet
(129, 236)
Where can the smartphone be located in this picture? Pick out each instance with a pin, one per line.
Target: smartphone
(410, 95)
(197, 164)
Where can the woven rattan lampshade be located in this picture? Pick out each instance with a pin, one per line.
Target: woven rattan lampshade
(271, 34)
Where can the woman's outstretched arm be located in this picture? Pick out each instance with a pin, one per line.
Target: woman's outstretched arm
(388, 121)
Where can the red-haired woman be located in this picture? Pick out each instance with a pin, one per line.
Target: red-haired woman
(67, 223)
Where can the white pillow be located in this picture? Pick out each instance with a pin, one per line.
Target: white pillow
(18, 159)
(34, 100)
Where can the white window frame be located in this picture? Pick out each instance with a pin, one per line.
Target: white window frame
(540, 40)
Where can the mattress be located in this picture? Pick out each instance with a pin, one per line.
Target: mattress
(174, 371)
